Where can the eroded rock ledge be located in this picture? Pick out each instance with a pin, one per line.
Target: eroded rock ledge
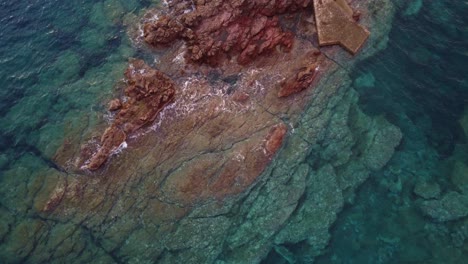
(215, 30)
(218, 30)
(148, 92)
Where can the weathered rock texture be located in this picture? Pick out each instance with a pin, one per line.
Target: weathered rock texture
(218, 30)
(147, 93)
(245, 159)
(336, 24)
(215, 30)
(451, 206)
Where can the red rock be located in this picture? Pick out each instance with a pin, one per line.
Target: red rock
(306, 71)
(240, 97)
(212, 145)
(112, 138)
(216, 30)
(148, 92)
(275, 138)
(115, 105)
(163, 31)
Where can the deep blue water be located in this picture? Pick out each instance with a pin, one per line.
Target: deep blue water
(60, 58)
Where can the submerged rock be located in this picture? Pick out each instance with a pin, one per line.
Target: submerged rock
(451, 206)
(427, 190)
(459, 176)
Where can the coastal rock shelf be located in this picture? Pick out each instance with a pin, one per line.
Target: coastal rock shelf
(217, 33)
(241, 136)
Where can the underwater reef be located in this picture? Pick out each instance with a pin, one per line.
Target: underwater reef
(226, 132)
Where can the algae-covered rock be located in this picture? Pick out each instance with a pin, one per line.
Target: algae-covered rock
(413, 7)
(20, 241)
(459, 176)
(427, 190)
(366, 80)
(312, 218)
(464, 121)
(383, 145)
(451, 206)
(3, 161)
(64, 69)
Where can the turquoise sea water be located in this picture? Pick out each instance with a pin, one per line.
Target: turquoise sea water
(59, 59)
(419, 83)
(56, 61)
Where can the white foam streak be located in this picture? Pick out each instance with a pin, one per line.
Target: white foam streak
(120, 148)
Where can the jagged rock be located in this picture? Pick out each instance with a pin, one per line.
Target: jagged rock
(215, 30)
(306, 73)
(148, 92)
(115, 105)
(451, 206)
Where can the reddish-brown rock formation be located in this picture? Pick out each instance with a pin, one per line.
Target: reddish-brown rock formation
(275, 138)
(306, 69)
(214, 32)
(148, 92)
(214, 29)
(217, 175)
(115, 105)
(225, 125)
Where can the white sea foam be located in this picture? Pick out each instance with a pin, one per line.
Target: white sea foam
(179, 59)
(120, 148)
(239, 157)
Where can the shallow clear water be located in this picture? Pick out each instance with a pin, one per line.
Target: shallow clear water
(59, 59)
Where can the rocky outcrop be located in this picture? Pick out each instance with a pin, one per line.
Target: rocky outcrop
(218, 30)
(427, 190)
(451, 206)
(244, 159)
(306, 70)
(148, 92)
